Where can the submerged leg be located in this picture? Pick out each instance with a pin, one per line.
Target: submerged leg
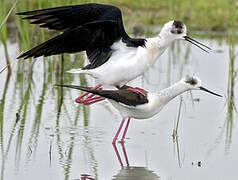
(118, 131)
(81, 101)
(117, 154)
(125, 154)
(125, 131)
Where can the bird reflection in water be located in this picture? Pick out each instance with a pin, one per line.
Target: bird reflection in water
(86, 177)
(132, 172)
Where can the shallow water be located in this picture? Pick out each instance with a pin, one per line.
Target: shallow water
(45, 135)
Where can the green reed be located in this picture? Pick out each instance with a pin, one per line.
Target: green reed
(232, 77)
(2, 117)
(175, 130)
(77, 61)
(23, 110)
(3, 30)
(33, 140)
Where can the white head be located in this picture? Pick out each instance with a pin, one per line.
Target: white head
(174, 30)
(194, 83)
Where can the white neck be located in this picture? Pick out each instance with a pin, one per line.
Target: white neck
(155, 48)
(164, 41)
(158, 100)
(171, 92)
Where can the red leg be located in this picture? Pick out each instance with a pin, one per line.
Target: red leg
(124, 133)
(79, 99)
(118, 131)
(92, 100)
(117, 153)
(125, 154)
(138, 90)
(92, 95)
(143, 91)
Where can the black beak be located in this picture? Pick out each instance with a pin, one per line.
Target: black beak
(204, 89)
(198, 44)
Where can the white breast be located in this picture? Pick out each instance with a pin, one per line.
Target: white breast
(127, 63)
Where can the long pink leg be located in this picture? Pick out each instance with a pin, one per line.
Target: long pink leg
(92, 100)
(78, 99)
(118, 131)
(125, 154)
(117, 153)
(125, 131)
(92, 95)
(138, 90)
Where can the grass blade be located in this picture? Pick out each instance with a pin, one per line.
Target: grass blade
(8, 14)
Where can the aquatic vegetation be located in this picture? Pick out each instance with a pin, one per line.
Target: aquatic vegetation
(175, 130)
(3, 31)
(232, 78)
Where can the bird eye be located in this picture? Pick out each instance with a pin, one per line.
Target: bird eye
(178, 24)
(177, 27)
(176, 30)
(191, 81)
(179, 31)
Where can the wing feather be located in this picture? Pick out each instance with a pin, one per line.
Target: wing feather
(68, 17)
(78, 39)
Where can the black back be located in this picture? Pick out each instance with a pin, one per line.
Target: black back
(123, 95)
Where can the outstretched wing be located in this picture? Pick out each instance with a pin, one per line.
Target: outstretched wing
(79, 33)
(89, 36)
(123, 96)
(69, 17)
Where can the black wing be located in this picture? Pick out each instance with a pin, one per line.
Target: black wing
(122, 95)
(86, 37)
(69, 18)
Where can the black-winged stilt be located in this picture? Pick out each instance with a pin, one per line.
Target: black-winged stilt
(114, 57)
(143, 105)
(129, 172)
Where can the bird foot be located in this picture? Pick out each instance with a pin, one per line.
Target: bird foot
(138, 90)
(89, 100)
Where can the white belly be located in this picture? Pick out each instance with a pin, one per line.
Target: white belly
(120, 70)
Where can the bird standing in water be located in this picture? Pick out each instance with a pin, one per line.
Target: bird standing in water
(114, 57)
(144, 105)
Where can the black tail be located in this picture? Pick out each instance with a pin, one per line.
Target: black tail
(109, 94)
(87, 89)
(102, 93)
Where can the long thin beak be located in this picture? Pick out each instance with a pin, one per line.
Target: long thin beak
(198, 44)
(204, 89)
